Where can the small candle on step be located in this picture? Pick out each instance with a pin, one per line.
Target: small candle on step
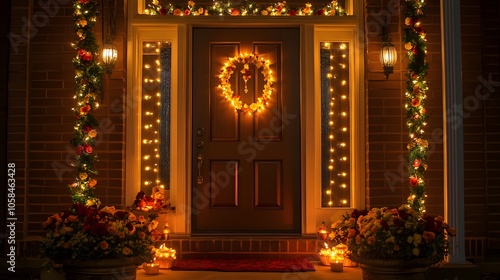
(151, 268)
(337, 266)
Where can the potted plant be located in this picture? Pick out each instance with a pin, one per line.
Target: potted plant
(91, 242)
(393, 241)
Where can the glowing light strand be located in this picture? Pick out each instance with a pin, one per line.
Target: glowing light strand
(244, 8)
(151, 119)
(338, 132)
(416, 93)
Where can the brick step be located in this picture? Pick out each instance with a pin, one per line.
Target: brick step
(244, 247)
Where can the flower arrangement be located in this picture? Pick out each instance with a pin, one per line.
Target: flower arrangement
(393, 233)
(85, 232)
(244, 8)
(154, 202)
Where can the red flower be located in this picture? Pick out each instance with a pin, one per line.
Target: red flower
(187, 12)
(415, 102)
(235, 12)
(293, 12)
(82, 210)
(413, 181)
(81, 52)
(87, 128)
(88, 56)
(83, 1)
(416, 163)
(320, 12)
(79, 150)
(87, 148)
(163, 11)
(85, 109)
(415, 50)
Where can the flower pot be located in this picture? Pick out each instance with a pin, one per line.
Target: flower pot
(394, 269)
(102, 269)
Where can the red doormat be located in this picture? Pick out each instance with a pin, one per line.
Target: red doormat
(243, 265)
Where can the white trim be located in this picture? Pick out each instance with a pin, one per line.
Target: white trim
(178, 31)
(453, 136)
(348, 34)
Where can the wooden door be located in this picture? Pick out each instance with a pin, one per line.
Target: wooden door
(246, 166)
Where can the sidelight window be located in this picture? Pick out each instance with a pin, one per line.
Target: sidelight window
(335, 129)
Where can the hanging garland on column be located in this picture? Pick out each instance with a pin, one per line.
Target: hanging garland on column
(416, 89)
(88, 76)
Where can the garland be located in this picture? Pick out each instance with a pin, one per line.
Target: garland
(244, 8)
(225, 84)
(88, 75)
(416, 89)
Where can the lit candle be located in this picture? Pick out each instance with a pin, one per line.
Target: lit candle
(151, 268)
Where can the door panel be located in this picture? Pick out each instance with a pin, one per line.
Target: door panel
(246, 167)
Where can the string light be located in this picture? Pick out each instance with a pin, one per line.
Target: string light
(337, 133)
(151, 121)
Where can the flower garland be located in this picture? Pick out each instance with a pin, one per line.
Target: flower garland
(416, 89)
(88, 76)
(228, 70)
(244, 8)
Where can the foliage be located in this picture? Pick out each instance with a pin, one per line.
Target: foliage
(244, 8)
(84, 232)
(416, 89)
(88, 76)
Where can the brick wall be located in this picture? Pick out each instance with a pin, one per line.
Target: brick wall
(387, 134)
(40, 125)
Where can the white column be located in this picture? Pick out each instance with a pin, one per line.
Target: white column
(453, 126)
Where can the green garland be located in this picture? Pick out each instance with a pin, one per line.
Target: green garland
(88, 76)
(244, 8)
(416, 89)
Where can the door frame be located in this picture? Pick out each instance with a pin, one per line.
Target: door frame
(179, 31)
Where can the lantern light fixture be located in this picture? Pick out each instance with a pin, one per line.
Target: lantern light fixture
(388, 54)
(109, 51)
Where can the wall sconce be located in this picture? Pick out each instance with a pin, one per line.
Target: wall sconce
(109, 51)
(388, 54)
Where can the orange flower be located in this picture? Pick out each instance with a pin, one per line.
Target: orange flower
(85, 109)
(141, 235)
(177, 12)
(92, 133)
(415, 102)
(104, 245)
(126, 251)
(72, 218)
(92, 182)
(428, 236)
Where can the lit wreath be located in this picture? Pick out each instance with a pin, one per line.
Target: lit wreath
(225, 84)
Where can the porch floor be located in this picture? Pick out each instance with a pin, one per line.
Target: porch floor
(322, 273)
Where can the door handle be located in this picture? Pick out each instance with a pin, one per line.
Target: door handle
(200, 164)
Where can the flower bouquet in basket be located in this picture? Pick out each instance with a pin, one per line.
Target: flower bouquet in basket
(393, 233)
(87, 233)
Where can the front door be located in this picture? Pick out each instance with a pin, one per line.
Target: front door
(246, 165)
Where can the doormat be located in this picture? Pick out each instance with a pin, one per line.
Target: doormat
(244, 265)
